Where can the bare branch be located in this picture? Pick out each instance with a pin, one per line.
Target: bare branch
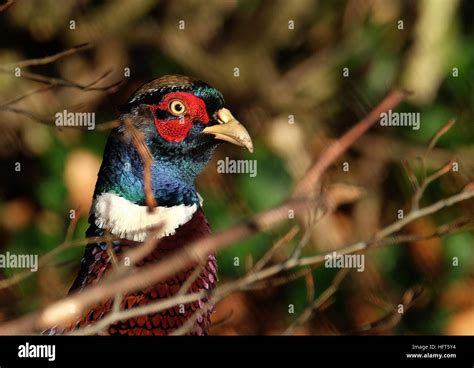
(147, 158)
(337, 148)
(317, 303)
(442, 131)
(54, 81)
(48, 59)
(7, 4)
(427, 181)
(411, 175)
(391, 319)
(138, 311)
(267, 257)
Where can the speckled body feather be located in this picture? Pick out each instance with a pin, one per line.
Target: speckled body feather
(97, 263)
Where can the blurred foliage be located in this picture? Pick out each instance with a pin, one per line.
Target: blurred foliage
(282, 72)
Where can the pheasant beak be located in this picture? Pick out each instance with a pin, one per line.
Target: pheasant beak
(230, 130)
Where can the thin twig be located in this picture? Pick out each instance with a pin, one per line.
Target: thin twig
(190, 280)
(6, 5)
(138, 311)
(267, 257)
(392, 318)
(63, 82)
(426, 182)
(48, 59)
(147, 159)
(337, 148)
(318, 302)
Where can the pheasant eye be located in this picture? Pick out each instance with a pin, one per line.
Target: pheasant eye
(176, 107)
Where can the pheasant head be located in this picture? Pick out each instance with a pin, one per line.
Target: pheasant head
(181, 120)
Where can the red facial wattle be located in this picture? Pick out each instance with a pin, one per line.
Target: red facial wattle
(176, 130)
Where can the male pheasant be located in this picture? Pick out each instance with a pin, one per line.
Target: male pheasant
(182, 120)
